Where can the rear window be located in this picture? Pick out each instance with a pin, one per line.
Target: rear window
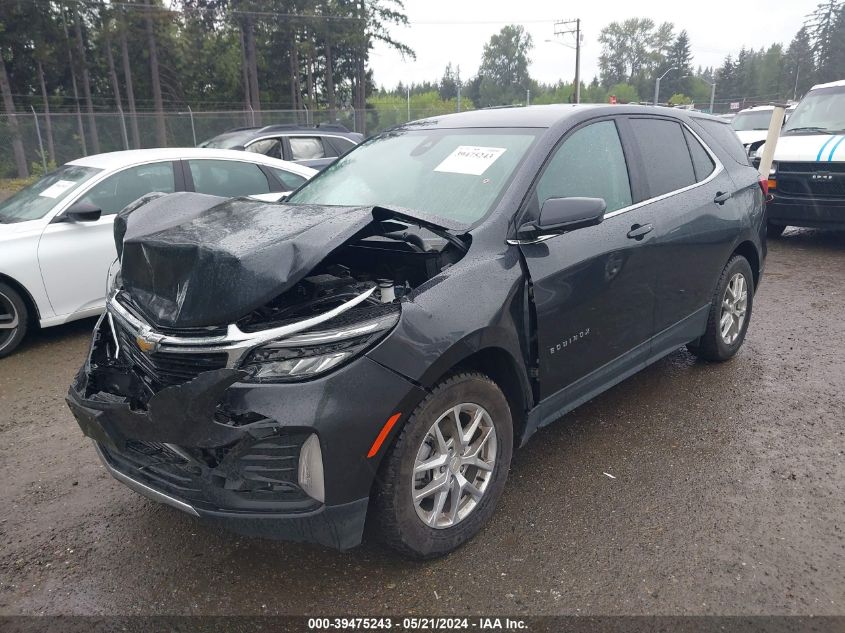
(340, 145)
(725, 137)
(666, 159)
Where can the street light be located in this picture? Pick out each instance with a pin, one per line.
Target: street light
(657, 84)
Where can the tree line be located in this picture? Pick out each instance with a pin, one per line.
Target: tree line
(85, 56)
(150, 56)
(634, 52)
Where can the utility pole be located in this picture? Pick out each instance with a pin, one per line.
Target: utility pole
(657, 85)
(565, 27)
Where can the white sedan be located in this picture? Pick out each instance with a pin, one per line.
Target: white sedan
(56, 241)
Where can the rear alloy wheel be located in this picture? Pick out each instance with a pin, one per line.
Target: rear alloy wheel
(440, 482)
(730, 312)
(13, 320)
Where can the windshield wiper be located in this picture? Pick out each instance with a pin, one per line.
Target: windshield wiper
(808, 128)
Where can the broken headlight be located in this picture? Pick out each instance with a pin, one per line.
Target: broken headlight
(311, 354)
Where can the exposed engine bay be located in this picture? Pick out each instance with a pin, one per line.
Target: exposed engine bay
(395, 261)
(194, 261)
(269, 293)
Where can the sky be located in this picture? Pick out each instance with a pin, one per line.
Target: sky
(443, 31)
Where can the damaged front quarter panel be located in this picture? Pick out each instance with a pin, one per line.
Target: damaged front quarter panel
(216, 297)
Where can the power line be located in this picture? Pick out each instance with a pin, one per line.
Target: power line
(298, 16)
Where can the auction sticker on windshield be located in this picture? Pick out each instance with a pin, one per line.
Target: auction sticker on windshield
(57, 188)
(470, 159)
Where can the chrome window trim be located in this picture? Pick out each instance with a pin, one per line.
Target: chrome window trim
(235, 343)
(717, 169)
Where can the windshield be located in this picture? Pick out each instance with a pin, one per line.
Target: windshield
(822, 110)
(757, 120)
(457, 174)
(35, 201)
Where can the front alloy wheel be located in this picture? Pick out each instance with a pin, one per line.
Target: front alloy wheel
(454, 465)
(439, 483)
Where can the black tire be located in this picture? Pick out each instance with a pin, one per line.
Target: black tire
(11, 303)
(394, 518)
(773, 231)
(712, 346)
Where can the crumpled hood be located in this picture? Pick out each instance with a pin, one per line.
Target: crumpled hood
(192, 260)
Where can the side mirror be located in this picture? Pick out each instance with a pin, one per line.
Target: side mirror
(559, 215)
(82, 212)
(238, 148)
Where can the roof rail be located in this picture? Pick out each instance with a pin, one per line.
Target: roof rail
(241, 129)
(277, 127)
(337, 127)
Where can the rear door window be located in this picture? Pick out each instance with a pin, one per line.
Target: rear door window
(306, 147)
(340, 145)
(228, 178)
(590, 164)
(268, 146)
(667, 164)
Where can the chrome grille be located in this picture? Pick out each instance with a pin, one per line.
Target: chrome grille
(165, 369)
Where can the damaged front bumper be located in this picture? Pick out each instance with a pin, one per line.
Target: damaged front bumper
(285, 461)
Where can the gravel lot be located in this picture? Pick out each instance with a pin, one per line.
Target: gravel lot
(727, 498)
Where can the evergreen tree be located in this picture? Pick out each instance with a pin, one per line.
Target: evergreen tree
(799, 65)
(680, 58)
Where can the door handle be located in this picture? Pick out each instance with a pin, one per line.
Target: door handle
(639, 231)
(722, 197)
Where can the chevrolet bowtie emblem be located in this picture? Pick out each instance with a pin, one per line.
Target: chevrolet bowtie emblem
(146, 344)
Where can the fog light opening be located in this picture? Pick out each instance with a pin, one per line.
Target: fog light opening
(311, 469)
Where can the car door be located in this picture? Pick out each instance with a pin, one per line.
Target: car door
(75, 257)
(593, 287)
(694, 230)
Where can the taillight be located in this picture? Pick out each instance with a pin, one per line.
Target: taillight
(764, 185)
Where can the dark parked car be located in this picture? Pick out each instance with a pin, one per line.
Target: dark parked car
(315, 147)
(380, 345)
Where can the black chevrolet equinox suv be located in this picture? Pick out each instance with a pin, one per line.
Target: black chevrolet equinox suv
(373, 350)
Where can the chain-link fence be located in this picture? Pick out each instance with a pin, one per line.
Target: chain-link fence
(120, 130)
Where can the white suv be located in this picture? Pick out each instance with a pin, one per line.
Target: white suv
(752, 125)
